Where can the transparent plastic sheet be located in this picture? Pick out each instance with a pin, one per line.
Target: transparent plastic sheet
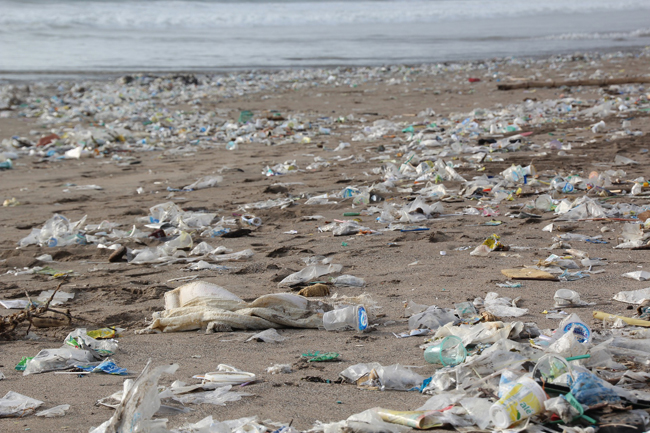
(481, 333)
(218, 397)
(58, 359)
(502, 307)
(432, 318)
(476, 409)
(17, 405)
(309, 273)
(80, 339)
(140, 401)
(268, 336)
(54, 412)
(395, 377)
(367, 421)
(633, 296)
(348, 280)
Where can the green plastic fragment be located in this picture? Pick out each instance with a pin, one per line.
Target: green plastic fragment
(320, 357)
(245, 116)
(23, 363)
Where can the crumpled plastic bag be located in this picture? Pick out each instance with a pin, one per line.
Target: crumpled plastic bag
(219, 396)
(268, 336)
(55, 411)
(309, 273)
(502, 307)
(590, 390)
(633, 296)
(367, 421)
(432, 318)
(17, 405)
(375, 376)
(58, 359)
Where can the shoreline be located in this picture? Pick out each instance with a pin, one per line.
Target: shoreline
(9, 76)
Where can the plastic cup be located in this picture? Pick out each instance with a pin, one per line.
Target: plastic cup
(524, 400)
(449, 352)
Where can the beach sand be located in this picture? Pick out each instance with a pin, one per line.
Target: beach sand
(125, 295)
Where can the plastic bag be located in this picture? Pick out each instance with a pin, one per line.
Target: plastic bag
(17, 405)
(348, 280)
(219, 396)
(268, 336)
(279, 368)
(502, 307)
(57, 359)
(477, 408)
(79, 339)
(633, 296)
(590, 390)
(54, 411)
(309, 273)
(432, 318)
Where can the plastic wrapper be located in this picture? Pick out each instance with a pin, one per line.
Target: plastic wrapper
(432, 318)
(204, 182)
(633, 296)
(348, 280)
(219, 396)
(588, 389)
(80, 339)
(58, 359)
(280, 369)
(268, 336)
(227, 375)
(421, 420)
(502, 307)
(54, 412)
(17, 405)
(309, 273)
(376, 376)
(562, 408)
(638, 275)
(233, 257)
(477, 408)
(367, 421)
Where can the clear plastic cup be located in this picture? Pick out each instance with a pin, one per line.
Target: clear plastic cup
(449, 352)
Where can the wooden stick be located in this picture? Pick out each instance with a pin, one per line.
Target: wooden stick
(553, 83)
(630, 321)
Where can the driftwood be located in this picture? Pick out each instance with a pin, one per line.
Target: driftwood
(559, 83)
(35, 316)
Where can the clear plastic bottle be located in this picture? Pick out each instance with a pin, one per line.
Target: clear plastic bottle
(353, 316)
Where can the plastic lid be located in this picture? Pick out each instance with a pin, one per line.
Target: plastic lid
(581, 330)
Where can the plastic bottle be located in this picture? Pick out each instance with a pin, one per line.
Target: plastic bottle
(353, 316)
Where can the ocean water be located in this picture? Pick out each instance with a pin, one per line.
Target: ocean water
(59, 37)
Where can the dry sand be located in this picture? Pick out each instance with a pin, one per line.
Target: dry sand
(125, 295)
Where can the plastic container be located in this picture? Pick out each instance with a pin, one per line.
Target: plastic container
(450, 351)
(544, 203)
(580, 328)
(251, 220)
(566, 298)
(354, 316)
(524, 400)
